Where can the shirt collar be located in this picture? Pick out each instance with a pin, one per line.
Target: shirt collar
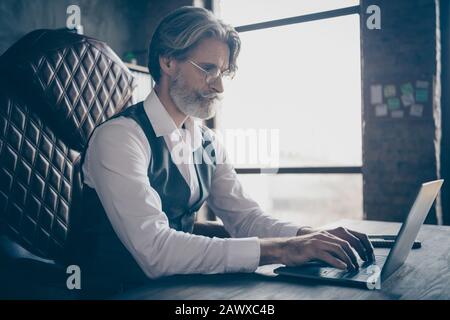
(163, 124)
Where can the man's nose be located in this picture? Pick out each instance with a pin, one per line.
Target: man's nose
(217, 85)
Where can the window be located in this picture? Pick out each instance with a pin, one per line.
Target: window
(307, 199)
(301, 81)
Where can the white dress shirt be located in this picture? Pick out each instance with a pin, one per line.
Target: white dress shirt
(116, 164)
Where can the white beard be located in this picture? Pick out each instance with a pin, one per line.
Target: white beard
(193, 103)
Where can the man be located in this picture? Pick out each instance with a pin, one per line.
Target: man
(140, 203)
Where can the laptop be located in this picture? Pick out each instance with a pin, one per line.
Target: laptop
(371, 274)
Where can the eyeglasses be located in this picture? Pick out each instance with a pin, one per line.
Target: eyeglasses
(213, 74)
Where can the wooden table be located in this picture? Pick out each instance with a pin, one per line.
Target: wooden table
(425, 275)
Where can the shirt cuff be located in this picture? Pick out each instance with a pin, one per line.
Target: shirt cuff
(242, 254)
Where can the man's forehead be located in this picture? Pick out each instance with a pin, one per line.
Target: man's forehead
(212, 51)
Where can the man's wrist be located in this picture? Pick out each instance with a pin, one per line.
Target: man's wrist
(271, 251)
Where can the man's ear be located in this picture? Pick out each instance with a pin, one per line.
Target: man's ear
(168, 65)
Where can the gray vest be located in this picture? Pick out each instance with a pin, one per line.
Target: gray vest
(97, 249)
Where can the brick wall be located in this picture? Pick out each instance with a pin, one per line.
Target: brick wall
(399, 153)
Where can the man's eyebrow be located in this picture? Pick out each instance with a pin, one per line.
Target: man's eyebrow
(209, 65)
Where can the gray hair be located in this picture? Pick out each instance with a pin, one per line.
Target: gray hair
(182, 30)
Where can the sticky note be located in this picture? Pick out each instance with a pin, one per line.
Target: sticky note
(407, 99)
(422, 95)
(407, 88)
(422, 84)
(393, 103)
(376, 94)
(390, 91)
(416, 110)
(397, 113)
(381, 110)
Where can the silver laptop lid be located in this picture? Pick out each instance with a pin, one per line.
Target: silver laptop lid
(410, 228)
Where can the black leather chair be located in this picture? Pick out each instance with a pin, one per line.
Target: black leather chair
(55, 87)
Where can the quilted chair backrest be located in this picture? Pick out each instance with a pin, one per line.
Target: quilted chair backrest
(55, 88)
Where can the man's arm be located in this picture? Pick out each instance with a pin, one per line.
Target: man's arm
(216, 229)
(284, 243)
(241, 215)
(211, 229)
(116, 166)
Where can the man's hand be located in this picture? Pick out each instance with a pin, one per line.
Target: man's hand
(334, 247)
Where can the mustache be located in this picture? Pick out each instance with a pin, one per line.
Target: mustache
(211, 95)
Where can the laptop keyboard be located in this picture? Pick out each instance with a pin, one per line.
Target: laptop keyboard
(364, 269)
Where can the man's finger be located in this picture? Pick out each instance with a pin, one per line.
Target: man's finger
(366, 242)
(332, 260)
(354, 241)
(339, 252)
(344, 245)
